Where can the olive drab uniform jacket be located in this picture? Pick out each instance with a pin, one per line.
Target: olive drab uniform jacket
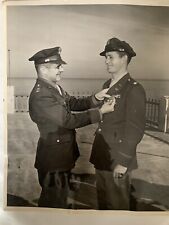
(57, 148)
(120, 131)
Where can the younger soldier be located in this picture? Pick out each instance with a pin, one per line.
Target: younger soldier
(119, 132)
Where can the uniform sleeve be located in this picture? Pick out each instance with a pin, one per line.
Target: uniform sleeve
(82, 104)
(47, 108)
(134, 125)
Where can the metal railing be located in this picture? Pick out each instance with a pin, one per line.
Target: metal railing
(152, 113)
(21, 103)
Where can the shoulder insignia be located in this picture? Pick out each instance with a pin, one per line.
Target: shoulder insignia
(132, 82)
(37, 89)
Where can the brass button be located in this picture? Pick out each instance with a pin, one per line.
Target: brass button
(99, 129)
(120, 141)
(58, 140)
(101, 121)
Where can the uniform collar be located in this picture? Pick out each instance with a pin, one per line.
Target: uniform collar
(117, 87)
(48, 84)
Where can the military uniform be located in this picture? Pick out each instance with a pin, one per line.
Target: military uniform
(57, 148)
(116, 140)
(50, 107)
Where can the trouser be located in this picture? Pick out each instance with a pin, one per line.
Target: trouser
(55, 189)
(112, 193)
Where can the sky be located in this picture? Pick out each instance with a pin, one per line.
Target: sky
(82, 32)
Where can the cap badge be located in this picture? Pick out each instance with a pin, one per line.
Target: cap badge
(121, 49)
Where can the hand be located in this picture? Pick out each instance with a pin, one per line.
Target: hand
(102, 94)
(119, 171)
(108, 106)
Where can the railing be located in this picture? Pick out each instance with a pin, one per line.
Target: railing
(152, 113)
(21, 103)
(152, 108)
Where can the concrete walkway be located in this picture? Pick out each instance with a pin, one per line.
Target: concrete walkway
(150, 181)
(159, 135)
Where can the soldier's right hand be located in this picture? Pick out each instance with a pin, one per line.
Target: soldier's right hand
(108, 106)
(102, 94)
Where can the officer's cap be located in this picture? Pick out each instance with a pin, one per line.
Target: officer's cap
(50, 55)
(114, 44)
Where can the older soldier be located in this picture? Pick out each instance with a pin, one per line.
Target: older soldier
(50, 108)
(119, 132)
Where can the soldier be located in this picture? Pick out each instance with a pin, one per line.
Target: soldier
(119, 132)
(50, 108)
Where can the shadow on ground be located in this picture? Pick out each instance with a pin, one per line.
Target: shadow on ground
(150, 196)
(145, 196)
(13, 200)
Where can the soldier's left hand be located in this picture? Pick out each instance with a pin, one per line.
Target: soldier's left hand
(102, 94)
(119, 171)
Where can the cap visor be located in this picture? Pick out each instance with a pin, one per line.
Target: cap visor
(31, 59)
(103, 53)
(63, 62)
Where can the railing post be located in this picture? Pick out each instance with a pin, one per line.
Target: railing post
(10, 99)
(166, 113)
(152, 113)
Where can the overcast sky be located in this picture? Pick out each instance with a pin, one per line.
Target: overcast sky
(82, 32)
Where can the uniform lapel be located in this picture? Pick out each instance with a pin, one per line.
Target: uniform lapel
(117, 87)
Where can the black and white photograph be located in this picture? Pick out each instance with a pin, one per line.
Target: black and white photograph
(87, 107)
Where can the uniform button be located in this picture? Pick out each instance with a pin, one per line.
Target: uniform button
(101, 121)
(58, 140)
(99, 129)
(120, 141)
